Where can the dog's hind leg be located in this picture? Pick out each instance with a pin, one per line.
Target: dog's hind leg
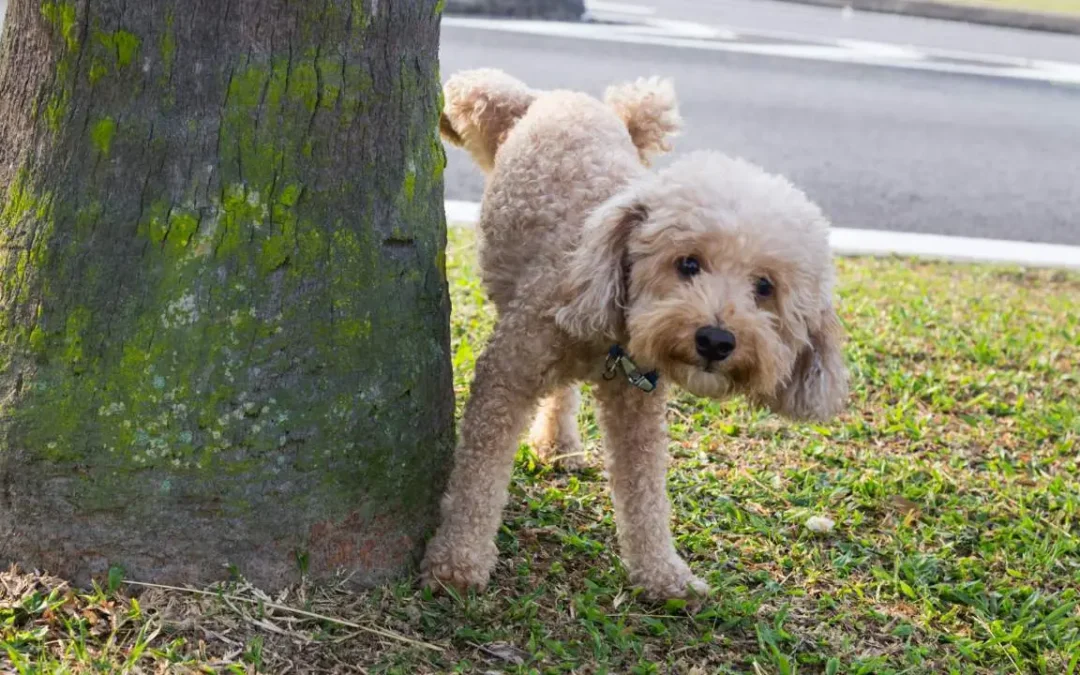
(635, 441)
(554, 435)
(509, 378)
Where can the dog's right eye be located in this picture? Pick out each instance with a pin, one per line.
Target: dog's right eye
(688, 266)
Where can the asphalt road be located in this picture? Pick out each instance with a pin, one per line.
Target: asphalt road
(878, 148)
(769, 15)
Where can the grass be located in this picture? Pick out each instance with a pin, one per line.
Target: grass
(954, 481)
(1053, 6)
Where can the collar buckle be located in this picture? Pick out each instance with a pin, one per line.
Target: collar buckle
(617, 360)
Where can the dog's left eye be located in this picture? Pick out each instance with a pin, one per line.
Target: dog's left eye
(688, 266)
(763, 287)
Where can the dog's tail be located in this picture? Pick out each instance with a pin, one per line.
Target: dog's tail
(480, 108)
(650, 110)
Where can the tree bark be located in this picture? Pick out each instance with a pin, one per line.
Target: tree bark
(224, 335)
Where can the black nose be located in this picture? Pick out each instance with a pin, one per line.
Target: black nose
(713, 343)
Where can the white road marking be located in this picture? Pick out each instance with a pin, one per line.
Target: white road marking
(654, 31)
(619, 8)
(853, 242)
(969, 249)
(881, 49)
(687, 35)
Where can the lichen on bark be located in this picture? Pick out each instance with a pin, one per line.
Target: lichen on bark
(223, 304)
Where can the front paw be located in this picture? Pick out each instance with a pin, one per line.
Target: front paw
(457, 567)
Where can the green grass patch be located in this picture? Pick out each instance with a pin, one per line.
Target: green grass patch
(1052, 6)
(954, 481)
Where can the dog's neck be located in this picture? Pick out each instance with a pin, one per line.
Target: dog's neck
(618, 361)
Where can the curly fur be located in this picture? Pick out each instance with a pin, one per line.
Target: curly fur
(483, 105)
(579, 245)
(649, 110)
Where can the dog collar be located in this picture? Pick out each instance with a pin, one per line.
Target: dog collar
(617, 360)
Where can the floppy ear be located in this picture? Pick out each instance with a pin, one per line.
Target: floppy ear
(818, 387)
(594, 289)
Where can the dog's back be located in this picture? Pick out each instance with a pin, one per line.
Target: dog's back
(551, 158)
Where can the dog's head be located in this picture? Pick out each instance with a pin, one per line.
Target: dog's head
(720, 276)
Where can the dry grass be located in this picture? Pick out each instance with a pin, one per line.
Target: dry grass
(954, 482)
(1054, 6)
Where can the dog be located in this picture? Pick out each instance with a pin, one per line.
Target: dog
(710, 274)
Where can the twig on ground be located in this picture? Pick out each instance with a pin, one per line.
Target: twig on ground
(285, 608)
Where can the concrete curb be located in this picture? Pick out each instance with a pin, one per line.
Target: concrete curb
(553, 10)
(992, 16)
(851, 242)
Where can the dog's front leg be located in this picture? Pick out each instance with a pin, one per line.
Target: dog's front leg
(508, 380)
(636, 455)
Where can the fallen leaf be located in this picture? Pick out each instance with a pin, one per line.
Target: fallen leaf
(505, 652)
(903, 504)
(820, 524)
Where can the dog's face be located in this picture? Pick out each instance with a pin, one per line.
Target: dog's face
(719, 276)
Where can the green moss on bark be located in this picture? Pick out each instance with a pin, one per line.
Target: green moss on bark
(23, 253)
(266, 313)
(185, 390)
(122, 45)
(168, 44)
(102, 134)
(63, 17)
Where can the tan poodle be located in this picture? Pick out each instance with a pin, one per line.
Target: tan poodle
(710, 274)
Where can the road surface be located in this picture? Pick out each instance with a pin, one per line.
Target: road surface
(877, 147)
(769, 15)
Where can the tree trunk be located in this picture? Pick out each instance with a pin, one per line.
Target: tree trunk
(224, 337)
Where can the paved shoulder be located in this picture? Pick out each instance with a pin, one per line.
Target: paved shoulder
(978, 13)
(687, 35)
(882, 148)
